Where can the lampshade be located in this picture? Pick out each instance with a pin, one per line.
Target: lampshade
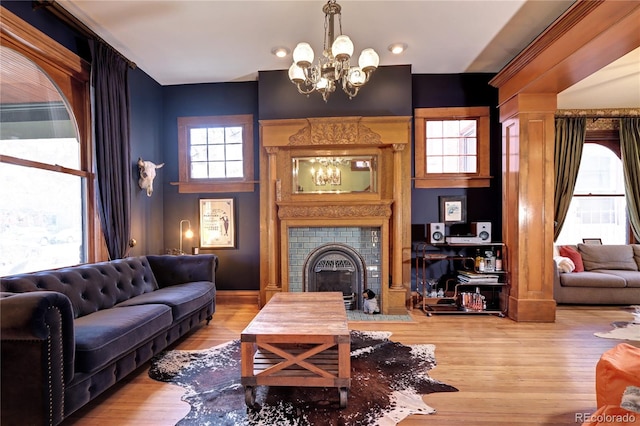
(342, 48)
(296, 74)
(303, 55)
(368, 60)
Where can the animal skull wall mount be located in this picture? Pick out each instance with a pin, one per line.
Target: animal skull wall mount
(147, 174)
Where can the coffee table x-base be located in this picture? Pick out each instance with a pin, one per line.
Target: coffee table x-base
(298, 339)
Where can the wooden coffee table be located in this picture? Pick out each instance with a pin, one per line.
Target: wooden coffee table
(298, 339)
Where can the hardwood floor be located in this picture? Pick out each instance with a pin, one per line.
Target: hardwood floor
(507, 373)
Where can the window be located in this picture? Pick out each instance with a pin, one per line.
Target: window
(452, 147)
(216, 153)
(598, 206)
(44, 152)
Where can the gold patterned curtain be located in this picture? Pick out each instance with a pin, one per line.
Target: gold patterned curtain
(630, 149)
(570, 134)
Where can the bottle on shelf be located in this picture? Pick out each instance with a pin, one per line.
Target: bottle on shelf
(477, 260)
(489, 261)
(498, 261)
(481, 265)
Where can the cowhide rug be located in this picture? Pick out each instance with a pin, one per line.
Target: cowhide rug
(624, 330)
(387, 381)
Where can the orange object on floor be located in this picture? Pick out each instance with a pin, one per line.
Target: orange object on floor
(617, 368)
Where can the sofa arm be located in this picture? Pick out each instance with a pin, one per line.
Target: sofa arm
(37, 349)
(171, 270)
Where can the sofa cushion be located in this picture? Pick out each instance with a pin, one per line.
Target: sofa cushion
(636, 254)
(592, 279)
(631, 277)
(103, 336)
(618, 257)
(184, 299)
(571, 253)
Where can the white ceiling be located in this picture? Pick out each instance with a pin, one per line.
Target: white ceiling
(208, 41)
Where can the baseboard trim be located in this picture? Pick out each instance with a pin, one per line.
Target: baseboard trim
(238, 296)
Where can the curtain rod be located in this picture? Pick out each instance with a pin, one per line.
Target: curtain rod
(64, 15)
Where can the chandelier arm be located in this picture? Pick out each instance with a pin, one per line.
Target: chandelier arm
(349, 89)
(305, 89)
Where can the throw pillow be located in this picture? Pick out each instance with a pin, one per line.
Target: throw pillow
(575, 257)
(565, 265)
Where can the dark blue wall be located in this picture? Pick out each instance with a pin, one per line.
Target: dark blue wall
(239, 267)
(461, 90)
(388, 93)
(147, 213)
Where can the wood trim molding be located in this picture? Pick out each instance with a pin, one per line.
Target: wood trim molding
(599, 113)
(569, 19)
(330, 210)
(17, 33)
(588, 36)
(229, 297)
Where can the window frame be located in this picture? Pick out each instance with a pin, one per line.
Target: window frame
(186, 184)
(609, 140)
(71, 74)
(481, 178)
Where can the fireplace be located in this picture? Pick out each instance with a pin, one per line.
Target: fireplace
(368, 200)
(336, 267)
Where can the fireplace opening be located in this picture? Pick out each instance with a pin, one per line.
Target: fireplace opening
(336, 267)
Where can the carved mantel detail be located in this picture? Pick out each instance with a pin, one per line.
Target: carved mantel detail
(332, 132)
(335, 211)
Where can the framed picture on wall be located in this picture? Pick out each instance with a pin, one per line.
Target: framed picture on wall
(453, 209)
(596, 241)
(217, 223)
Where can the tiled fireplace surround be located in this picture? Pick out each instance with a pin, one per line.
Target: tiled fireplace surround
(364, 240)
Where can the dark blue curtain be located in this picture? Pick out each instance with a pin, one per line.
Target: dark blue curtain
(109, 72)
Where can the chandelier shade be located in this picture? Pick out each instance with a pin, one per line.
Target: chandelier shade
(333, 68)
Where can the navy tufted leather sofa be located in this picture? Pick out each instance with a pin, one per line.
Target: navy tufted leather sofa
(69, 334)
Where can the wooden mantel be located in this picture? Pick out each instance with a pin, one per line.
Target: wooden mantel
(388, 138)
(588, 36)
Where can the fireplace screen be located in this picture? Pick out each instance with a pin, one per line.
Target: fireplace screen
(335, 267)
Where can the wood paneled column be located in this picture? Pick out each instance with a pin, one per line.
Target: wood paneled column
(398, 293)
(528, 182)
(588, 36)
(273, 228)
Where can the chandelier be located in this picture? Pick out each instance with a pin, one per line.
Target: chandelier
(327, 172)
(333, 67)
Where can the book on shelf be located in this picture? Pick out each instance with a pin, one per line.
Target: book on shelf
(474, 277)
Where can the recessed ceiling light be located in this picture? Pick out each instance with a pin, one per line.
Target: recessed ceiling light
(397, 48)
(280, 52)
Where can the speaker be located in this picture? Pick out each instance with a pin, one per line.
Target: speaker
(435, 233)
(482, 230)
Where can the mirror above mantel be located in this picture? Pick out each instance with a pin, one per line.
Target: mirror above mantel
(334, 174)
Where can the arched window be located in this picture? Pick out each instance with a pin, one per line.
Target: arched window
(598, 206)
(47, 208)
